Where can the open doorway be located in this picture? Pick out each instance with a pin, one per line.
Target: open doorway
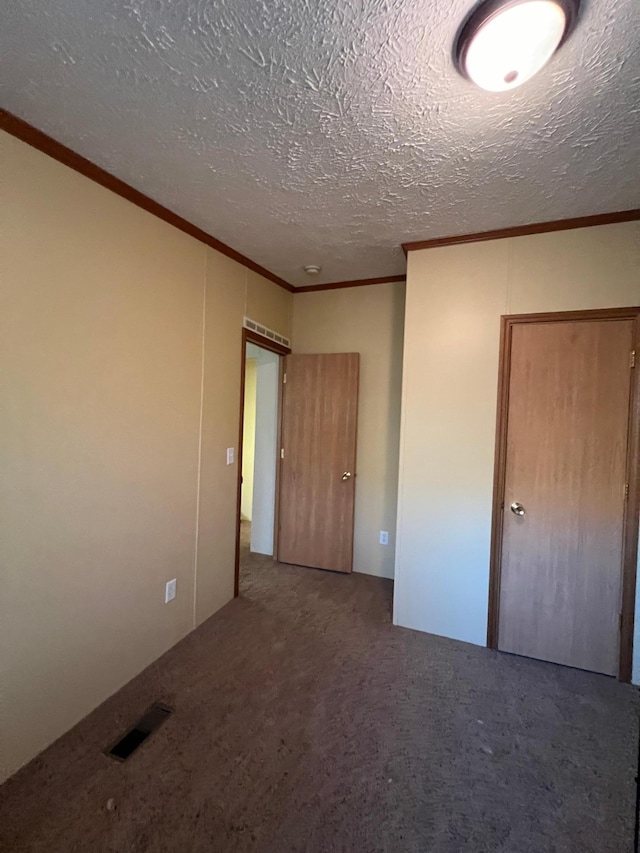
(297, 459)
(258, 449)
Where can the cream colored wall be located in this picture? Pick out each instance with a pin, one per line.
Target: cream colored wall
(455, 296)
(249, 436)
(269, 303)
(368, 320)
(104, 476)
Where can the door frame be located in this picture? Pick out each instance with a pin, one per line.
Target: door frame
(253, 337)
(632, 504)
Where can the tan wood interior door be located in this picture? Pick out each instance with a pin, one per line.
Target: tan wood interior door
(317, 473)
(568, 413)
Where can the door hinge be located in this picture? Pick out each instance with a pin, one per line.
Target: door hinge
(282, 453)
(632, 358)
(626, 491)
(284, 379)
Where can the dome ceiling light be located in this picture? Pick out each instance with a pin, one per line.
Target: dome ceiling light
(503, 43)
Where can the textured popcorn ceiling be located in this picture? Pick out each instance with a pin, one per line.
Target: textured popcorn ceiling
(328, 131)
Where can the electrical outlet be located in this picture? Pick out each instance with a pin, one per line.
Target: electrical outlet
(170, 591)
(384, 537)
(231, 455)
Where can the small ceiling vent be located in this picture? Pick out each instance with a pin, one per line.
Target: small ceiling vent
(269, 334)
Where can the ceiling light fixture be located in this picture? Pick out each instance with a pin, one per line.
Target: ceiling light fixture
(312, 269)
(503, 43)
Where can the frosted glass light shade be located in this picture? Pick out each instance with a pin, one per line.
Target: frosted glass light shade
(503, 44)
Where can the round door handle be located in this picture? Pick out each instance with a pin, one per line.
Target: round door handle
(517, 508)
(346, 475)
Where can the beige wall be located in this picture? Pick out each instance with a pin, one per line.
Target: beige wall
(455, 297)
(249, 436)
(108, 384)
(368, 320)
(269, 303)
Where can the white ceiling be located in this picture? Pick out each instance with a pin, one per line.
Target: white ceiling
(328, 131)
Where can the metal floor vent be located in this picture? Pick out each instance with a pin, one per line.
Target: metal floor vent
(127, 745)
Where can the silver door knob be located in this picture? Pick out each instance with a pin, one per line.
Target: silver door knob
(517, 508)
(346, 475)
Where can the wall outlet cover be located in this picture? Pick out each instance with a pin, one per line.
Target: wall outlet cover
(231, 455)
(170, 591)
(384, 537)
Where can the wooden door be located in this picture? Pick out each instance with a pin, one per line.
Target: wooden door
(566, 450)
(317, 473)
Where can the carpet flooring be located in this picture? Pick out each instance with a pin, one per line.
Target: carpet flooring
(304, 721)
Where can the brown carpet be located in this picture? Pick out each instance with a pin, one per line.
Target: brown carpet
(304, 721)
